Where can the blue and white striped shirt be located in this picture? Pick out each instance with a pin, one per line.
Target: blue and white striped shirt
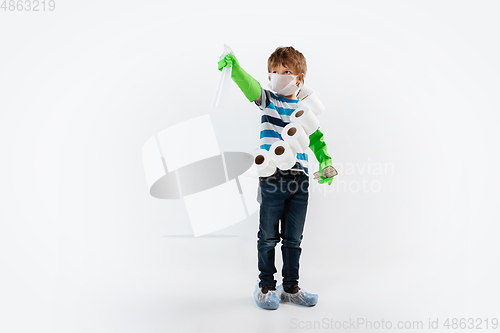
(276, 111)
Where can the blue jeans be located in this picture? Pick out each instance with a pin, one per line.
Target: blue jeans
(283, 196)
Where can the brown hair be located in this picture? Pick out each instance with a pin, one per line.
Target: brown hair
(287, 56)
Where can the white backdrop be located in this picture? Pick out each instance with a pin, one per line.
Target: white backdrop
(407, 232)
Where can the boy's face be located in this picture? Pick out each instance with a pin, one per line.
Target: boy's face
(284, 70)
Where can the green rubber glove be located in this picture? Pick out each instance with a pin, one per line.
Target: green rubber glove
(318, 146)
(248, 85)
(326, 180)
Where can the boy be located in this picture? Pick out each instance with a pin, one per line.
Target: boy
(283, 195)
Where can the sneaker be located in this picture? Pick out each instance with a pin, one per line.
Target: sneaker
(267, 297)
(297, 296)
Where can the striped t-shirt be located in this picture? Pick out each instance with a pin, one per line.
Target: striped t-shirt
(276, 111)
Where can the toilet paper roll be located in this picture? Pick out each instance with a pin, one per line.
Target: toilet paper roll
(312, 101)
(282, 155)
(304, 92)
(263, 163)
(296, 137)
(305, 117)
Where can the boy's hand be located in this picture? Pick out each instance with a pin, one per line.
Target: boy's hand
(228, 61)
(326, 175)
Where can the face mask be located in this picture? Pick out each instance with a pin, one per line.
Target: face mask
(283, 84)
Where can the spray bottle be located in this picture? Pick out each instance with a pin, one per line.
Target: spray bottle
(223, 87)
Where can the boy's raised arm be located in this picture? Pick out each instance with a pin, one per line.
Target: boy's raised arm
(247, 84)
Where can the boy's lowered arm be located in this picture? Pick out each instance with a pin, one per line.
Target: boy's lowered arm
(248, 85)
(318, 146)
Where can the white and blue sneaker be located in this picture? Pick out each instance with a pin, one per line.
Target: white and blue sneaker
(297, 296)
(267, 297)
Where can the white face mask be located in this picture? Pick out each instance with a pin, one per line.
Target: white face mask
(283, 84)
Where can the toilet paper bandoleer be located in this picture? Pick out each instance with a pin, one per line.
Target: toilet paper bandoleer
(301, 132)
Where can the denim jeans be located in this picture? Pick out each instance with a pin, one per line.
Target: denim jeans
(283, 196)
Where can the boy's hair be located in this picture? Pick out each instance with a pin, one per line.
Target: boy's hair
(287, 56)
